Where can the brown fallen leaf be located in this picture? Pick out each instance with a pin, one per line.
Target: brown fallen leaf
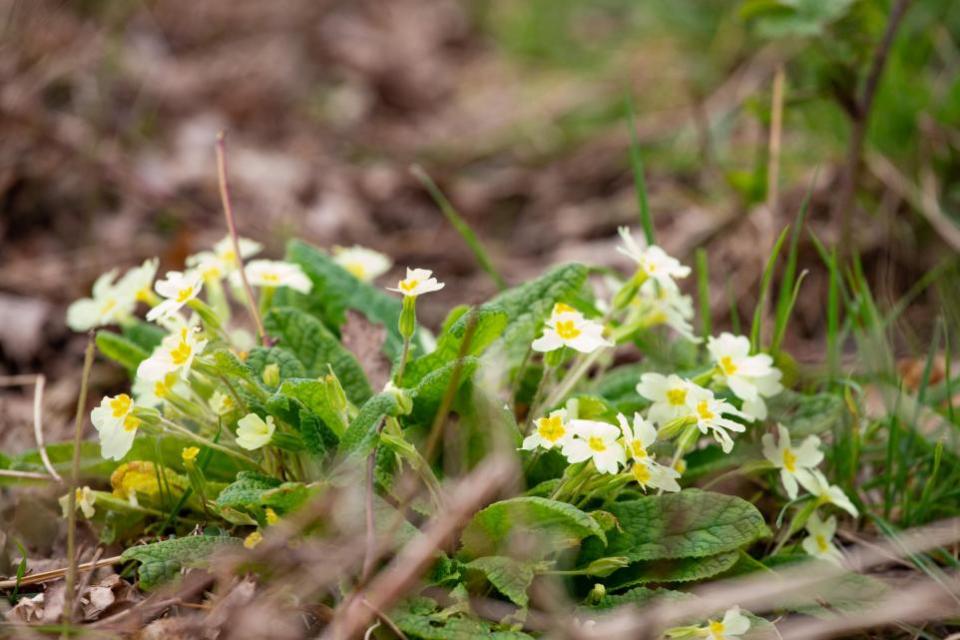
(365, 339)
(27, 610)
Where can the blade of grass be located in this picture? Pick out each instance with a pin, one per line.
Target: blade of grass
(756, 329)
(455, 219)
(703, 292)
(639, 179)
(781, 328)
(734, 309)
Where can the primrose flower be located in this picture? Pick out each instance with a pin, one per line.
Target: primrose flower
(275, 273)
(116, 424)
(214, 265)
(638, 438)
(417, 283)
(819, 543)
(178, 288)
(750, 377)
(222, 403)
(792, 462)
(175, 354)
(153, 393)
(253, 432)
(365, 264)
(138, 281)
(708, 411)
(550, 431)
(669, 396)
(597, 441)
(733, 625)
(653, 261)
(570, 329)
(651, 474)
(818, 485)
(109, 304)
(85, 498)
(665, 304)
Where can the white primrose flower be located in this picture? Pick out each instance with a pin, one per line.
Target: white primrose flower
(653, 261)
(153, 393)
(597, 441)
(819, 543)
(175, 354)
(668, 394)
(549, 431)
(792, 462)
(818, 485)
(222, 403)
(751, 377)
(665, 304)
(733, 625)
(275, 273)
(417, 283)
(638, 438)
(222, 261)
(116, 424)
(177, 288)
(365, 264)
(109, 304)
(85, 499)
(138, 281)
(253, 432)
(709, 412)
(570, 329)
(650, 474)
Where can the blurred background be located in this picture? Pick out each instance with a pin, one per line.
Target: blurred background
(109, 111)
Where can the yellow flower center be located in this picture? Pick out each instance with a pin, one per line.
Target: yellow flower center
(130, 423)
(211, 273)
(726, 363)
(357, 269)
(562, 308)
(184, 294)
(642, 474)
(567, 329)
(180, 354)
(822, 543)
(551, 429)
(597, 444)
(636, 448)
(120, 405)
(228, 256)
(270, 277)
(703, 410)
(716, 627)
(789, 460)
(409, 285)
(108, 306)
(676, 397)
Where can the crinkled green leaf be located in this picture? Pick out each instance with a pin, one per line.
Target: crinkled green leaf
(245, 492)
(804, 415)
(319, 397)
(143, 334)
(287, 362)
(429, 391)
(227, 364)
(489, 324)
(361, 435)
(511, 577)
(121, 350)
(847, 593)
(639, 596)
(318, 437)
(162, 561)
(688, 524)
(315, 347)
(419, 619)
(671, 570)
(288, 497)
(553, 525)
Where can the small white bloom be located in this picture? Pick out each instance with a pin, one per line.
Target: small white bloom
(571, 330)
(222, 403)
(549, 431)
(417, 283)
(253, 432)
(177, 288)
(225, 252)
(668, 394)
(818, 485)
(116, 425)
(109, 304)
(274, 273)
(733, 625)
(365, 264)
(138, 281)
(652, 260)
(650, 474)
(153, 393)
(665, 304)
(750, 377)
(85, 499)
(175, 354)
(597, 441)
(819, 543)
(638, 438)
(709, 412)
(792, 462)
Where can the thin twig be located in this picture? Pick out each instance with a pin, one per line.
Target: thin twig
(25, 475)
(56, 574)
(38, 427)
(232, 227)
(69, 595)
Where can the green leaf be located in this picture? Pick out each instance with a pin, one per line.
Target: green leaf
(805, 415)
(121, 350)
(419, 619)
(287, 362)
(361, 435)
(143, 334)
(553, 525)
(429, 392)
(288, 497)
(319, 396)
(671, 570)
(317, 435)
(639, 597)
(511, 577)
(489, 326)
(246, 491)
(228, 365)
(162, 561)
(689, 524)
(316, 347)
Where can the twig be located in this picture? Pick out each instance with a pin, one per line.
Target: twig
(85, 580)
(232, 227)
(39, 380)
(56, 574)
(69, 595)
(386, 620)
(26, 475)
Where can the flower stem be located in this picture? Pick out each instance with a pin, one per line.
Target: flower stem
(190, 435)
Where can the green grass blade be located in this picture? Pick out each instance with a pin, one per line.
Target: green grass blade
(755, 330)
(639, 179)
(703, 292)
(734, 309)
(788, 293)
(455, 219)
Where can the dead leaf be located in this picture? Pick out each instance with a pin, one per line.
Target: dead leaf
(26, 610)
(365, 339)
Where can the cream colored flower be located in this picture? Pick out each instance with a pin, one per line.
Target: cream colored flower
(177, 288)
(138, 281)
(751, 377)
(222, 403)
(663, 303)
(638, 438)
(550, 431)
(818, 485)
(153, 393)
(365, 264)
(668, 394)
(733, 625)
(709, 413)
(253, 432)
(174, 355)
(109, 304)
(85, 499)
(650, 474)
(597, 441)
(570, 329)
(653, 261)
(116, 425)
(792, 462)
(417, 283)
(274, 273)
(819, 543)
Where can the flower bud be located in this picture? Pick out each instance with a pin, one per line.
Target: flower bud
(408, 317)
(271, 375)
(596, 594)
(404, 401)
(602, 567)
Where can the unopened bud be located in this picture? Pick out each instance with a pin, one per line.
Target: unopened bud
(271, 375)
(408, 317)
(602, 567)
